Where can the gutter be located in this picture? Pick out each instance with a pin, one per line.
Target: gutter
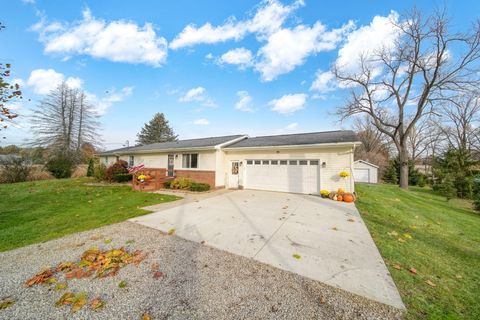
(170, 150)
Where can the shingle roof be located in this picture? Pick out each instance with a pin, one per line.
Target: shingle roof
(297, 139)
(180, 144)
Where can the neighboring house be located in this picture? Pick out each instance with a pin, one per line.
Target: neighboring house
(299, 163)
(365, 172)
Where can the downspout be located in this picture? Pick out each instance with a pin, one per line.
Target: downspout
(352, 184)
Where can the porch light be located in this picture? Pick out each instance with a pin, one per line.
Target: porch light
(324, 164)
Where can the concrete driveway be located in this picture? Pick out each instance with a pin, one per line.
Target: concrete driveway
(317, 238)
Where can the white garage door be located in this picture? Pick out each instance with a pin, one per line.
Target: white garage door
(361, 175)
(297, 176)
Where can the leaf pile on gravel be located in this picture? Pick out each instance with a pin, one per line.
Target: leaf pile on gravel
(5, 303)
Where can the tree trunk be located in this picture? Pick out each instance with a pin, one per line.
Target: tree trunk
(403, 157)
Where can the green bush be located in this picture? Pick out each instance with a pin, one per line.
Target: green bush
(90, 169)
(99, 172)
(447, 188)
(199, 187)
(181, 183)
(61, 166)
(167, 184)
(122, 177)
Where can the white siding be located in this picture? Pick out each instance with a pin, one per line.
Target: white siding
(336, 159)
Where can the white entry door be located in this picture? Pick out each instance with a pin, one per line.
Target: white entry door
(233, 175)
(297, 176)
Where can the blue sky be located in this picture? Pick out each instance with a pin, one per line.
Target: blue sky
(213, 67)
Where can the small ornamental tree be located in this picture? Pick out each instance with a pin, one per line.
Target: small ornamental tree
(90, 169)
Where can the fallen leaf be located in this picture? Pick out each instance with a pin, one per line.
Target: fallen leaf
(65, 299)
(60, 286)
(146, 316)
(401, 240)
(130, 241)
(5, 303)
(202, 242)
(458, 276)
(322, 300)
(97, 303)
(296, 256)
(79, 301)
(406, 235)
(430, 283)
(351, 220)
(107, 241)
(157, 275)
(413, 270)
(397, 266)
(393, 233)
(41, 277)
(122, 284)
(171, 231)
(335, 228)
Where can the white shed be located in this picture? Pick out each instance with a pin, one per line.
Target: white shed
(364, 171)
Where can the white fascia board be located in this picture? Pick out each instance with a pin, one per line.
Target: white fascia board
(299, 146)
(224, 144)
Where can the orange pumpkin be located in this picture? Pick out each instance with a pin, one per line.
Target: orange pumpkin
(348, 197)
(340, 198)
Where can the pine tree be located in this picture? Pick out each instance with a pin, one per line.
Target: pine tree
(90, 168)
(157, 130)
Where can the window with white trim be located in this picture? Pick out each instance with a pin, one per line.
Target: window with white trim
(190, 160)
(131, 161)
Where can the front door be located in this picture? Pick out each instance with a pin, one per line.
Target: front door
(171, 162)
(233, 174)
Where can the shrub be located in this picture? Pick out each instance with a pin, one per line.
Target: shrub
(181, 183)
(447, 188)
(199, 187)
(15, 169)
(122, 177)
(39, 172)
(90, 168)
(61, 166)
(99, 172)
(167, 184)
(119, 167)
(80, 171)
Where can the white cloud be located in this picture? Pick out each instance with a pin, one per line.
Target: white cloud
(245, 102)
(101, 105)
(287, 49)
(198, 94)
(118, 41)
(42, 81)
(380, 33)
(269, 17)
(201, 122)
(239, 56)
(324, 82)
(292, 126)
(289, 103)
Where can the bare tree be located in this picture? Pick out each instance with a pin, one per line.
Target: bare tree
(461, 120)
(64, 121)
(423, 134)
(375, 147)
(398, 85)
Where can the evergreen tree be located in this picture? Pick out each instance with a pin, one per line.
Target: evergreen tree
(157, 130)
(90, 168)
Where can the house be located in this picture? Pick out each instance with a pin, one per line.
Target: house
(299, 163)
(364, 171)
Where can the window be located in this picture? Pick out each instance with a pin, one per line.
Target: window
(106, 161)
(117, 158)
(257, 162)
(314, 162)
(293, 162)
(303, 162)
(131, 161)
(265, 162)
(190, 160)
(274, 162)
(249, 162)
(283, 162)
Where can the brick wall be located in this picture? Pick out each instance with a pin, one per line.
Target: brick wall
(201, 176)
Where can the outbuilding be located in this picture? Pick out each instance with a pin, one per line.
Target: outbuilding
(364, 171)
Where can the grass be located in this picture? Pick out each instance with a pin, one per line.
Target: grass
(38, 211)
(440, 239)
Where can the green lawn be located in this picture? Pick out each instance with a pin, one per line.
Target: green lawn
(32, 212)
(444, 248)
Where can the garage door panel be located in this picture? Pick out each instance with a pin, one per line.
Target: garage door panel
(361, 175)
(297, 178)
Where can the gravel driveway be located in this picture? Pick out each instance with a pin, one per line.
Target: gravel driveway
(198, 282)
